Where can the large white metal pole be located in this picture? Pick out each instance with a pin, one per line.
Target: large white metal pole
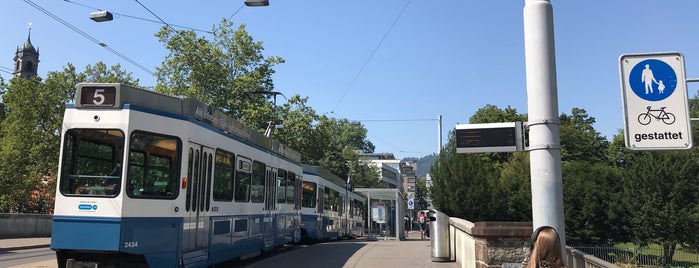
(544, 125)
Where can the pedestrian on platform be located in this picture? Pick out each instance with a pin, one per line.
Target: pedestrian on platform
(407, 222)
(545, 249)
(422, 221)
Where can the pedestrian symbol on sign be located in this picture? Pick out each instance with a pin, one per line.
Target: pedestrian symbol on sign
(652, 80)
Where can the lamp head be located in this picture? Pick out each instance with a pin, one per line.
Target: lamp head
(256, 3)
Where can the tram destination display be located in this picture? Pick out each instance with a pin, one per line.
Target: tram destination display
(491, 137)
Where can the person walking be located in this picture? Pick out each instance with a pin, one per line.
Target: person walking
(407, 222)
(545, 249)
(422, 221)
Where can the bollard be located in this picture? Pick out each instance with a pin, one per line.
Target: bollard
(439, 236)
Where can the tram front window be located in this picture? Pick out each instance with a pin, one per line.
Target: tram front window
(92, 161)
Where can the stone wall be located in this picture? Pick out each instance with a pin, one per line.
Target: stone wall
(14, 225)
(499, 244)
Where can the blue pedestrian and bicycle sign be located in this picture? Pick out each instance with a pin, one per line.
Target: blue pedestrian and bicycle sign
(654, 93)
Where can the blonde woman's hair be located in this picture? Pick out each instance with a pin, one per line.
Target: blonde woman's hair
(547, 250)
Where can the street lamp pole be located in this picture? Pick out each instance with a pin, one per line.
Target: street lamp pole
(544, 123)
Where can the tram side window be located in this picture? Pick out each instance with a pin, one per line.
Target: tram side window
(257, 189)
(330, 200)
(297, 192)
(243, 175)
(152, 169)
(281, 186)
(223, 176)
(309, 195)
(335, 197)
(91, 162)
(290, 183)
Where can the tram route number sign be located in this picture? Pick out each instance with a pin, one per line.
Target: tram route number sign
(98, 96)
(654, 96)
(489, 137)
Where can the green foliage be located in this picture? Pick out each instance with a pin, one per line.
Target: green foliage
(660, 195)
(463, 185)
(470, 186)
(31, 133)
(228, 72)
(589, 194)
(515, 184)
(579, 140)
(421, 194)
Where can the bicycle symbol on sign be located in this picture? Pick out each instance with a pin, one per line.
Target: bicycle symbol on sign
(667, 118)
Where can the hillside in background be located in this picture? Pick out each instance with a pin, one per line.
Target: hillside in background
(423, 164)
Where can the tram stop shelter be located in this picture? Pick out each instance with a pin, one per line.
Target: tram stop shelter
(385, 208)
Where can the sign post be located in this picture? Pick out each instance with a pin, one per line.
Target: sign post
(654, 95)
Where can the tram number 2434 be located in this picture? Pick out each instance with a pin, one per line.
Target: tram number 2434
(130, 244)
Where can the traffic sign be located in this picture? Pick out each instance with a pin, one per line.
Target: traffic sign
(411, 203)
(654, 96)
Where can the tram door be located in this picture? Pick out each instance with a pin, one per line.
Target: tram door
(270, 205)
(320, 225)
(199, 178)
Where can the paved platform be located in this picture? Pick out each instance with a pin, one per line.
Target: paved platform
(412, 252)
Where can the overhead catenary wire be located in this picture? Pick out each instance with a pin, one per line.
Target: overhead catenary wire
(6, 70)
(89, 37)
(152, 13)
(139, 18)
(370, 57)
(392, 120)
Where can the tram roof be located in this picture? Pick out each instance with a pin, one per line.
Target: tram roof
(115, 95)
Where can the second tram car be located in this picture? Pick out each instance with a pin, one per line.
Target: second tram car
(329, 210)
(149, 180)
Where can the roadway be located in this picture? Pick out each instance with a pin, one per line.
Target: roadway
(34, 253)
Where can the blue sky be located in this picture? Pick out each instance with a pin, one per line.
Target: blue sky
(446, 58)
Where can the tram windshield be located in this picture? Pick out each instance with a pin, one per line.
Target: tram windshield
(91, 162)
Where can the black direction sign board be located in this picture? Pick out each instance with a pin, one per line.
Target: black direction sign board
(492, 137)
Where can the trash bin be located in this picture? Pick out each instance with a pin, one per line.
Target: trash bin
(439, 236)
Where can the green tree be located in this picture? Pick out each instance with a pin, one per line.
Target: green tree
(579, 139)
(468, 185)
(30, 134)
(463, 185)
(660, 195)
(589, 202)
(422, 193)
(3, 89)
(228, 72)
(515, 188)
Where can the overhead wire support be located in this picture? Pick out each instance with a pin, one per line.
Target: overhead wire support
(89, 37)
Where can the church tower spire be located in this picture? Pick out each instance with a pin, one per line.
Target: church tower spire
(26, 58)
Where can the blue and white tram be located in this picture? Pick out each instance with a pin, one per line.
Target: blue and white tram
(357, 211)
(149, 180)
(329, 210)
